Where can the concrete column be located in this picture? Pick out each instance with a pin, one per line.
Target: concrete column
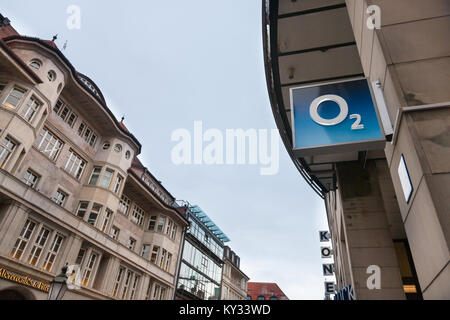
(367, 231)
(11, 227)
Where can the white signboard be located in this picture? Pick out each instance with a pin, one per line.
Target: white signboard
(405, 179)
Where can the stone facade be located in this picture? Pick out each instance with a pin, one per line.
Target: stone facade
(71, 187)
(371, 221)
(234, 281)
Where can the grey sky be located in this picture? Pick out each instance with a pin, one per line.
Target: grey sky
(165, 64)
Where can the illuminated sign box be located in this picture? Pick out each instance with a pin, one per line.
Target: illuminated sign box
(334, 118)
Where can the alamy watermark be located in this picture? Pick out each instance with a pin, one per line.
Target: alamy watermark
(74, 19)
(374, 280)
(374, 17)
(234, 146)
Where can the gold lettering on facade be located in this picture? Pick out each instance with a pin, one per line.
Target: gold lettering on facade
(25, 280)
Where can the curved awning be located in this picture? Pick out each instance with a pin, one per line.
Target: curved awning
(308, 42)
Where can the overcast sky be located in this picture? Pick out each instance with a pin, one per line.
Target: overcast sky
(165, 64)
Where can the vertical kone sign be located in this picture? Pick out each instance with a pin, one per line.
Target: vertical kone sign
(328, 268)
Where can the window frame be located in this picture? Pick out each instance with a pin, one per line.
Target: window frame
(7, 104)
(57, 200)
(5, 148)
(23, 238)
(31, 173)
(51, 139)
(78, 165)
(51, 253)
(97, 175)
(33, 104)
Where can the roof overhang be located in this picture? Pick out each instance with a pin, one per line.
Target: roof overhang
(305, 43)
(12, 64)
(81, 84)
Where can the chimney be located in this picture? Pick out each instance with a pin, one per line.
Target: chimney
(4, 21)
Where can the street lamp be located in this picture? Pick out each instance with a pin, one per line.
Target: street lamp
(58, 286)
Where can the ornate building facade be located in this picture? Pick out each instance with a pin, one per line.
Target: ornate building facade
(234, 281)
(72, 189)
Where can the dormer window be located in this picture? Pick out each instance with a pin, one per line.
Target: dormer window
(36, 64)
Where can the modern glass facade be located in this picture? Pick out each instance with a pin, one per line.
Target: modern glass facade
(200, 274)
(205, 238)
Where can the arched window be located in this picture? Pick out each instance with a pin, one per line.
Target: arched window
(261, 298)
(117, 148)
(51, 75)
(36, 64)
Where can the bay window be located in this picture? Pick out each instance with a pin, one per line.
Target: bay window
(13, 99)
(6, 149)
(30, 109)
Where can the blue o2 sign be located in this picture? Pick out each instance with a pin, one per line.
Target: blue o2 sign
(335, 118)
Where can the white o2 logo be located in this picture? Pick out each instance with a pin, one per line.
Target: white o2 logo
(343, 112)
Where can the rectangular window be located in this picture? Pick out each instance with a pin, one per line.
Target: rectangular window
(80, 256)
(155, 253)
(82, 208)
(131, 244)
(161, 222)
(58, 106)
(95, 175)
(12, 101)
(87, 134)
(159, 293)
(168, 262)
(174, 232)
(71, 120)
(162, 295)
(31, 108)
(92, 140)
(145, 251)
(162, 258)
(134, 287)
(204, 263)
(75, 165)
(64, 113)
(30, 178)
(118, 281)
(126, 284)
(60, 197)
(87, 274)
(118, 184)
(6, 149)
(138, 215)
(81, 129)
(95, 212)
(169, 226)
(152, 223)
(106, 179)
(38, 246)
(52, 253)
(149, 290)
(22, 240)
(48, 144)
(114, 233)
(124, 205)
(106, 220)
